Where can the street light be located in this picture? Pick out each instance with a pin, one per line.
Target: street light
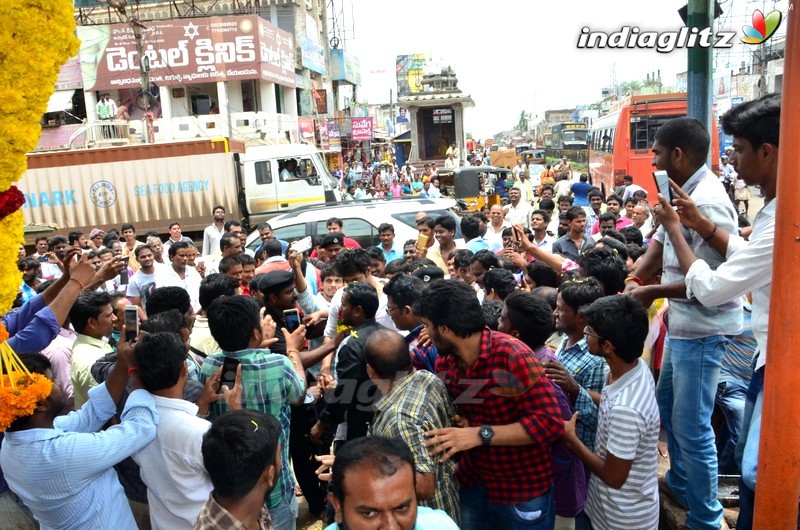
(143, 99)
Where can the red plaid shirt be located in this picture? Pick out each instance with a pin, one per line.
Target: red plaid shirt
(506, 385)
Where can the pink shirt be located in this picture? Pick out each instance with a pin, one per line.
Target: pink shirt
(622, 222)
(59, 352)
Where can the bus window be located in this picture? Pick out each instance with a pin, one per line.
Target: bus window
(643, 130)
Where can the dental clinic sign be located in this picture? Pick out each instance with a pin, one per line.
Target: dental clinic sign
(187, 51)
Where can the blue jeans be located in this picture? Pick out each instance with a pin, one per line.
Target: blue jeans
(730, 399)
(477, 513)
(284, 515)
(747, 450)
(686, 390)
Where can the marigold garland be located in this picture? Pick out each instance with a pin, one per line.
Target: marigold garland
(36, 38)
(20, 390)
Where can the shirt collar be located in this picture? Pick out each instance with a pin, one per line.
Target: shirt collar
(383, 403)
(694, 180)
(86, 339)
(176, 404)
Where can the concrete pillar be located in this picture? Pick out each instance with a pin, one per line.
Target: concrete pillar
(165, 122)
(90, 100)
(267, 97)
(224, 113)
(461, 137)
(416, 152)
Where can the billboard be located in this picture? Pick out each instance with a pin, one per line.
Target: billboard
(409, 74)
(345, 67)
(361, 129)
(313, 55)
(187, 51)
(334, 137)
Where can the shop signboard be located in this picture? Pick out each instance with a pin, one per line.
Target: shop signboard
(313, 55)
(345, 67)
(324, 142)
(361, 129)
(306, 126)
(335, 137)
(187, 51)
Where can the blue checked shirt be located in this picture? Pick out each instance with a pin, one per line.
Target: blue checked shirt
(588, 370)
(270, 384)
(65, 474)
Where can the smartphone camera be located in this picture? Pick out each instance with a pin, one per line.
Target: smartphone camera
(292, 319)
(131, 322)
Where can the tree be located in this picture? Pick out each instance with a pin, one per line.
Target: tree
(629, 86)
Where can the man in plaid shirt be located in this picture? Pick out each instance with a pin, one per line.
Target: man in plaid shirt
(270, 384)
(510, 408)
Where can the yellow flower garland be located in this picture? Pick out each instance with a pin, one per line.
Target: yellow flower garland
(36, 38)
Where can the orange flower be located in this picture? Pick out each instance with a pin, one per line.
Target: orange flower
(21, 399)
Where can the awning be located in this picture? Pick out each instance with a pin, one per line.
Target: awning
(60, 100)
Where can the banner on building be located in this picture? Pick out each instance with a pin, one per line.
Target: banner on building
(345, 67)
(335, 137)
(324, 142)
(306, 126)
(313, 55)
(187, 51)
(361, 129)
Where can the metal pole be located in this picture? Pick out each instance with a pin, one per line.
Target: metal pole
(778, 486)
(700, 15)
(144, 75)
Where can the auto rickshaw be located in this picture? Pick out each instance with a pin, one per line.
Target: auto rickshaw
(472, 186)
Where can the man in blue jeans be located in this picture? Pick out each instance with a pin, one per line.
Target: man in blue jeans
(696, 342)
(754, 126)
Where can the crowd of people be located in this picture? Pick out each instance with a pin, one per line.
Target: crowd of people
(518, 378)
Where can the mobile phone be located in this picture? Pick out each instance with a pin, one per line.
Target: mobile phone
(662, 184)
(43, 259)
(422, 242)
(292, 319)
(123, 274)
(131, 322)
(228, 378)
(302, 245)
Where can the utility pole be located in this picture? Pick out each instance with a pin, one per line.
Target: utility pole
(700, 15)
(144, 68)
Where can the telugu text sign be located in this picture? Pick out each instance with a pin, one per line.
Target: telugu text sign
(186, 51)
(361, 129)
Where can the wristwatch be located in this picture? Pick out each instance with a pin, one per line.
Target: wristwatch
(486, 433)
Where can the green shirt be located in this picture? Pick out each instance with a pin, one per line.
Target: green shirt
(270, 384)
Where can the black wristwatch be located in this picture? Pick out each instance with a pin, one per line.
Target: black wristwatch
(486, 433)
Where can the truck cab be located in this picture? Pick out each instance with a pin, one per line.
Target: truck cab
(277, 178)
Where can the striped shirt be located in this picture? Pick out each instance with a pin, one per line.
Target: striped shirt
(737, 363)
(628, 428)
(418, 403)
(270, 384)
(589, 371)
(688, 318)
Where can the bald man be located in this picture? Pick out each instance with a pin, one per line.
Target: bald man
(413, 403)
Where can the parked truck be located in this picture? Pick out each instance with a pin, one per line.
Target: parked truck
(153, 185)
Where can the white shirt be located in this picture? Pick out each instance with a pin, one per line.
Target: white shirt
(167, 277)
(629, 191)
(433, 192)
(496, 235)
(747, 269)
(545, 244)
(211, 237)
(172, 466)
(519, 214)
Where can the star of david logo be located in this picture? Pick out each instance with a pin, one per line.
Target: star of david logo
(190, 30)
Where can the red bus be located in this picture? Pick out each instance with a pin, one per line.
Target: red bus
(620, 142)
